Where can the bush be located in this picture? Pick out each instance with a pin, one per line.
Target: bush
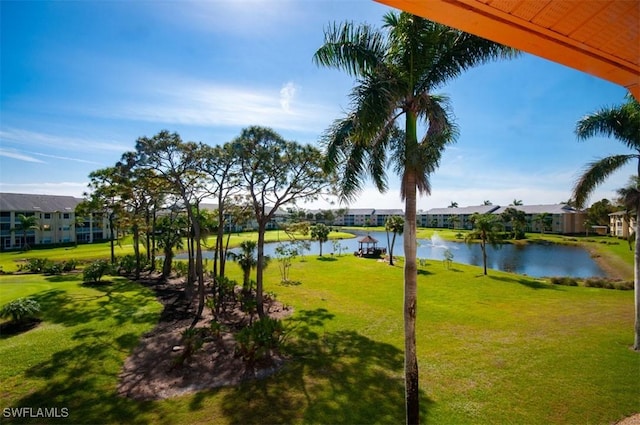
(51, 268)
(21, 309)
(69, 265)
(127, 264)
(36, 265)
(259, 340)
(192, 341)
(565, 281)
(94, 271)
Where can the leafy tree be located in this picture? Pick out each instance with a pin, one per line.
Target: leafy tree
(178, 164)
(397, 70)
(516, 202)
(453, 205)
(285, 253)
(23, 225)
(105, 196)
(395, 225)
(487, 202)
(623, 124)
(220, 166)
(486, 227)
(544, 220)
(275, 172)
(320, 232)
(518, 221)
(598, 212)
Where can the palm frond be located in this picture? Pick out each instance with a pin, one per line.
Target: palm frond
(621, 122)
(595, 173)
(354, 49)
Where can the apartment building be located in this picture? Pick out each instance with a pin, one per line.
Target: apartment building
(56, 221)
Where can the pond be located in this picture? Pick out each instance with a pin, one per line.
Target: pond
(531, 259)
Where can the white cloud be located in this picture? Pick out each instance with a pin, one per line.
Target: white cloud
(287, 93)
(65, 158)
(191, 102)
(31, 138)
(46, 188)
(19, 156)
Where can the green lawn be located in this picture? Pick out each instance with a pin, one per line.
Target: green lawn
(9, 261)
(492, 349)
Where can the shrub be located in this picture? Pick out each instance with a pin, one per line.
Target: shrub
(69, 265)
(623, 285)
(36, 265)
(192, 340)
(180, 268)
(127, 264)
(21, 309)
(564, 280)
(52, 268)
(94, 271)
(259, 340)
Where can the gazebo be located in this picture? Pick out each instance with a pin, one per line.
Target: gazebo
(369, 247)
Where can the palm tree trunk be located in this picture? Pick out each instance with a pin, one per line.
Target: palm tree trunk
(636, 276)
(484, 255)
(410, 303)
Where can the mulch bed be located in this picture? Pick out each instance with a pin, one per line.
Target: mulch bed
(152, 371)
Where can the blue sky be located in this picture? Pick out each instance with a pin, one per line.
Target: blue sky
(81, 81)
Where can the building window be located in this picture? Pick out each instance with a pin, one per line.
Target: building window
(66, 216)
(47, 216)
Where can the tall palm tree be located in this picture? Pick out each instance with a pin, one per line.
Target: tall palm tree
(486, 227)
(397, 69)
(623, 124)
(395, 225)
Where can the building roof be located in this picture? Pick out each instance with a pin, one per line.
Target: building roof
(600, 38)
(480, 209)
(389, 212)
(359, 211)
(44, 203)
(539, 209)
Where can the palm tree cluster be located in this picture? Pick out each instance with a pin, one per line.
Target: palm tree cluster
(156, 193)
(397, 68)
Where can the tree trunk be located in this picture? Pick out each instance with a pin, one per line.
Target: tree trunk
(166, 265)
(113, 253)
(483, 245)
(136, 249)
(260, 268)
(199, 272)
(636, 276)
(410, 303)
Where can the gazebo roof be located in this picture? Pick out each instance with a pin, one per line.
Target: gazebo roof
(367, 239)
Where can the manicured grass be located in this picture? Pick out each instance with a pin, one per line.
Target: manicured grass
(72, 359)
(492, 349)
(9, 261)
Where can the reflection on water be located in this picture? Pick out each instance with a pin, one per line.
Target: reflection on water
(531, 259)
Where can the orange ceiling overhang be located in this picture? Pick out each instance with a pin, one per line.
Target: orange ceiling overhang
(599, 37)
